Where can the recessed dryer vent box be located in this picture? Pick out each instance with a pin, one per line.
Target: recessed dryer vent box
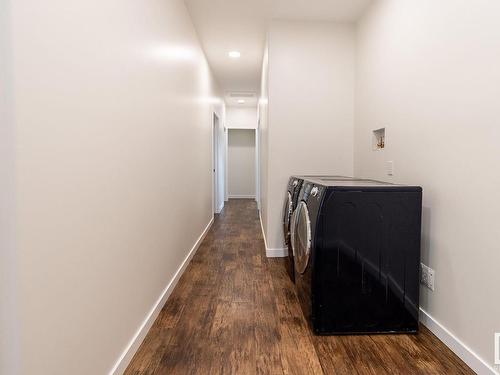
(378, 139)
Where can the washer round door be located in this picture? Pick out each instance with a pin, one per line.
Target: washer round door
(301, 237)
(292, 231)
(287, 214)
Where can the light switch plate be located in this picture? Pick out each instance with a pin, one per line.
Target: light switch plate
(390, 168)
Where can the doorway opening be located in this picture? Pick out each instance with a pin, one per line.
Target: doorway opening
(241, 156)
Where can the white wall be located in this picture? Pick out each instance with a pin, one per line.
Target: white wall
(429, 72)
(9, 326)
(241, 161)
(311, 109)
(257, 169)
(241, 117)
(263, 139)
(113, 126)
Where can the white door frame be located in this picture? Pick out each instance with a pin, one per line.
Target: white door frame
(216, 205)
(257, 167)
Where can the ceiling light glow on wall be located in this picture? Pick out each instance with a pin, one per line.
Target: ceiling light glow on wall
(234, 54)
(241, 101)
(173, 53)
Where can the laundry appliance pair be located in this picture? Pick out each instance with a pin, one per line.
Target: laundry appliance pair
(289, 205)
(356, 254)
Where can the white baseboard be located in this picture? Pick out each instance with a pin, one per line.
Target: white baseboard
(272, 253)
(127, 355)
(262, 229)
(474, 361)
(219, 209)
(232, 196)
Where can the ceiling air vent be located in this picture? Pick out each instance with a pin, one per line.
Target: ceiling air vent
(242, 94)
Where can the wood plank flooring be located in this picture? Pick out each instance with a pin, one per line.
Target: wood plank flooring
(234, 311)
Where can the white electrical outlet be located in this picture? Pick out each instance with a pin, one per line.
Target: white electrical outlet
(427, 276)
(430, 279)
(423, 274)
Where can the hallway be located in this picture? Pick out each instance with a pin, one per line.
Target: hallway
(234, 311)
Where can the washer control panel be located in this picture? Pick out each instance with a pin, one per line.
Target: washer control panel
(312, 191)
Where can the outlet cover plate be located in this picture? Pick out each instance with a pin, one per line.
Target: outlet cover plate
(427, 276)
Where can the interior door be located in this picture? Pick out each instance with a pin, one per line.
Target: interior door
(215, 162)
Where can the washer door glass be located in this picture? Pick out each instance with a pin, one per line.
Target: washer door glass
(287, 213)
(302, 238)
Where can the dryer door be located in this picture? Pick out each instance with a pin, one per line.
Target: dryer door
(302, 237)
(287, 214)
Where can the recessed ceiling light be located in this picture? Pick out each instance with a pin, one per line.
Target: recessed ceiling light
(234, 54)
(241, 101)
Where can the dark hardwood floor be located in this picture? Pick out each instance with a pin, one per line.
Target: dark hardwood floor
(234, 311)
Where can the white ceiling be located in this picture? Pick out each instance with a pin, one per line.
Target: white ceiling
(227, 25)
